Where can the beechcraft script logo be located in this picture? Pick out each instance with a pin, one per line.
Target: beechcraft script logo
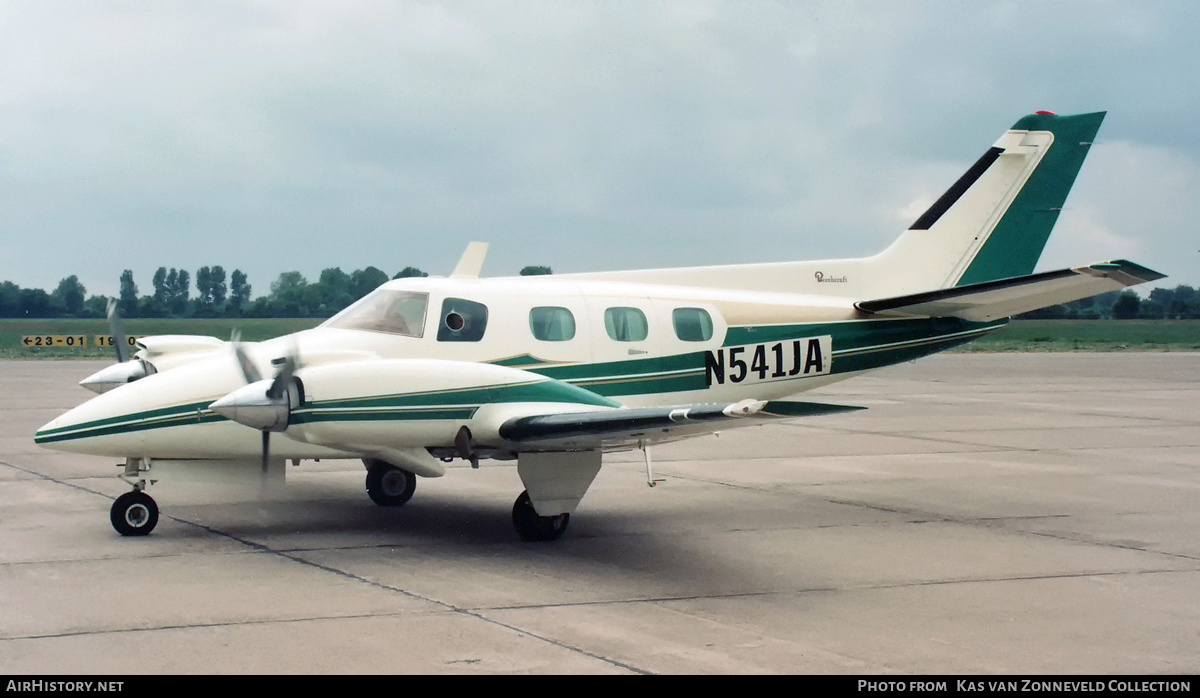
(770, 361)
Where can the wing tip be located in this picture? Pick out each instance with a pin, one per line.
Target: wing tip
(1135, 273)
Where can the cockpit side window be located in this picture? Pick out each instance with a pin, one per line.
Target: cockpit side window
(393, 312)
(462, 321)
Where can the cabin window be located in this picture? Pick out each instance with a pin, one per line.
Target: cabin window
(626, 324)
(462, 321)
(552, 324)
(394, 312)
(692, 324)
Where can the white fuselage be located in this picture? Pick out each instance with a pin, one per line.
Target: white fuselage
(166, 416)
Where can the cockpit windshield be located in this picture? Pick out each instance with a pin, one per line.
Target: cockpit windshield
(394, 312)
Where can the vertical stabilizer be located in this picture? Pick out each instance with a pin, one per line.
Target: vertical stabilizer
(994, 221)
(471, 263)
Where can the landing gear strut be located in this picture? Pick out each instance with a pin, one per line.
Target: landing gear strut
(532, 527)
(389, 486)
(134, 514)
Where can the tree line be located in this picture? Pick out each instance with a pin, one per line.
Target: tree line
(216, 295)
(292, 295)
(1179, 303)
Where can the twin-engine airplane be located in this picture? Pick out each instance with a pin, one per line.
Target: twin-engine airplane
(554, 371)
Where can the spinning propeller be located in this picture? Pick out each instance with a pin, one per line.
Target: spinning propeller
(263, 404)
(118, 331)
(125, 370)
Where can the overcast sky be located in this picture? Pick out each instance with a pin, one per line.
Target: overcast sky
(279, 136)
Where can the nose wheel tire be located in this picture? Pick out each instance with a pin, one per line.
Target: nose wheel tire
(389, 486)
(134, 514)
(532, 527)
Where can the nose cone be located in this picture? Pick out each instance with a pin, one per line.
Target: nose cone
(45, 434)
(100, 426)
(164, 415)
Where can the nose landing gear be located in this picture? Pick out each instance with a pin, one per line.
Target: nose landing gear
(134, 514)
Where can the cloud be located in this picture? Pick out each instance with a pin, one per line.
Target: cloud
(1132, 201)
(301, 135)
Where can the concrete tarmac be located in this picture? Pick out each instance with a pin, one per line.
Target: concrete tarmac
(990, 513)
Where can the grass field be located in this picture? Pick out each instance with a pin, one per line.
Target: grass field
(12, 331)
(1091, 335)
(1020, 335)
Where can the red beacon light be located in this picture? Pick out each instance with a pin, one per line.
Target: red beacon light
(1044, 112)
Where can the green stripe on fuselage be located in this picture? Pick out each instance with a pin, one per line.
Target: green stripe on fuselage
(858, 345)
(160, 418)
(430, 405)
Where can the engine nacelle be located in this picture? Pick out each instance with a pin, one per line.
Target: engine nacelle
(420, 403)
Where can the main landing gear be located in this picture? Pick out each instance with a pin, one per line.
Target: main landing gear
(392, 486)
(389, 486)
(532, 527)
(134, 514)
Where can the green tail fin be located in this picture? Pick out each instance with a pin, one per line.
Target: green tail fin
(1016, 242)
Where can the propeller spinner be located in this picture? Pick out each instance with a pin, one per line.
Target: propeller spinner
(263, 404)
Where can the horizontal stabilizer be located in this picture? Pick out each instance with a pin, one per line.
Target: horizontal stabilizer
(612, 429)
(993, 300)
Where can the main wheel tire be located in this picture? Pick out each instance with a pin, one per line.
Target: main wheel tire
(134, 514)
(389, 486)
(532, 527)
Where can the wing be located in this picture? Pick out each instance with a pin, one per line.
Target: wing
(993, 300)
(617, 429)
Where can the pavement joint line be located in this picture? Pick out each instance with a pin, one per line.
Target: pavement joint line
(363, 580)
(835, 589)
(413, 595)
(916, 517)
(65, 483)
(196, 626)
(1111, 544)
(478, 611)
(264, 549)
